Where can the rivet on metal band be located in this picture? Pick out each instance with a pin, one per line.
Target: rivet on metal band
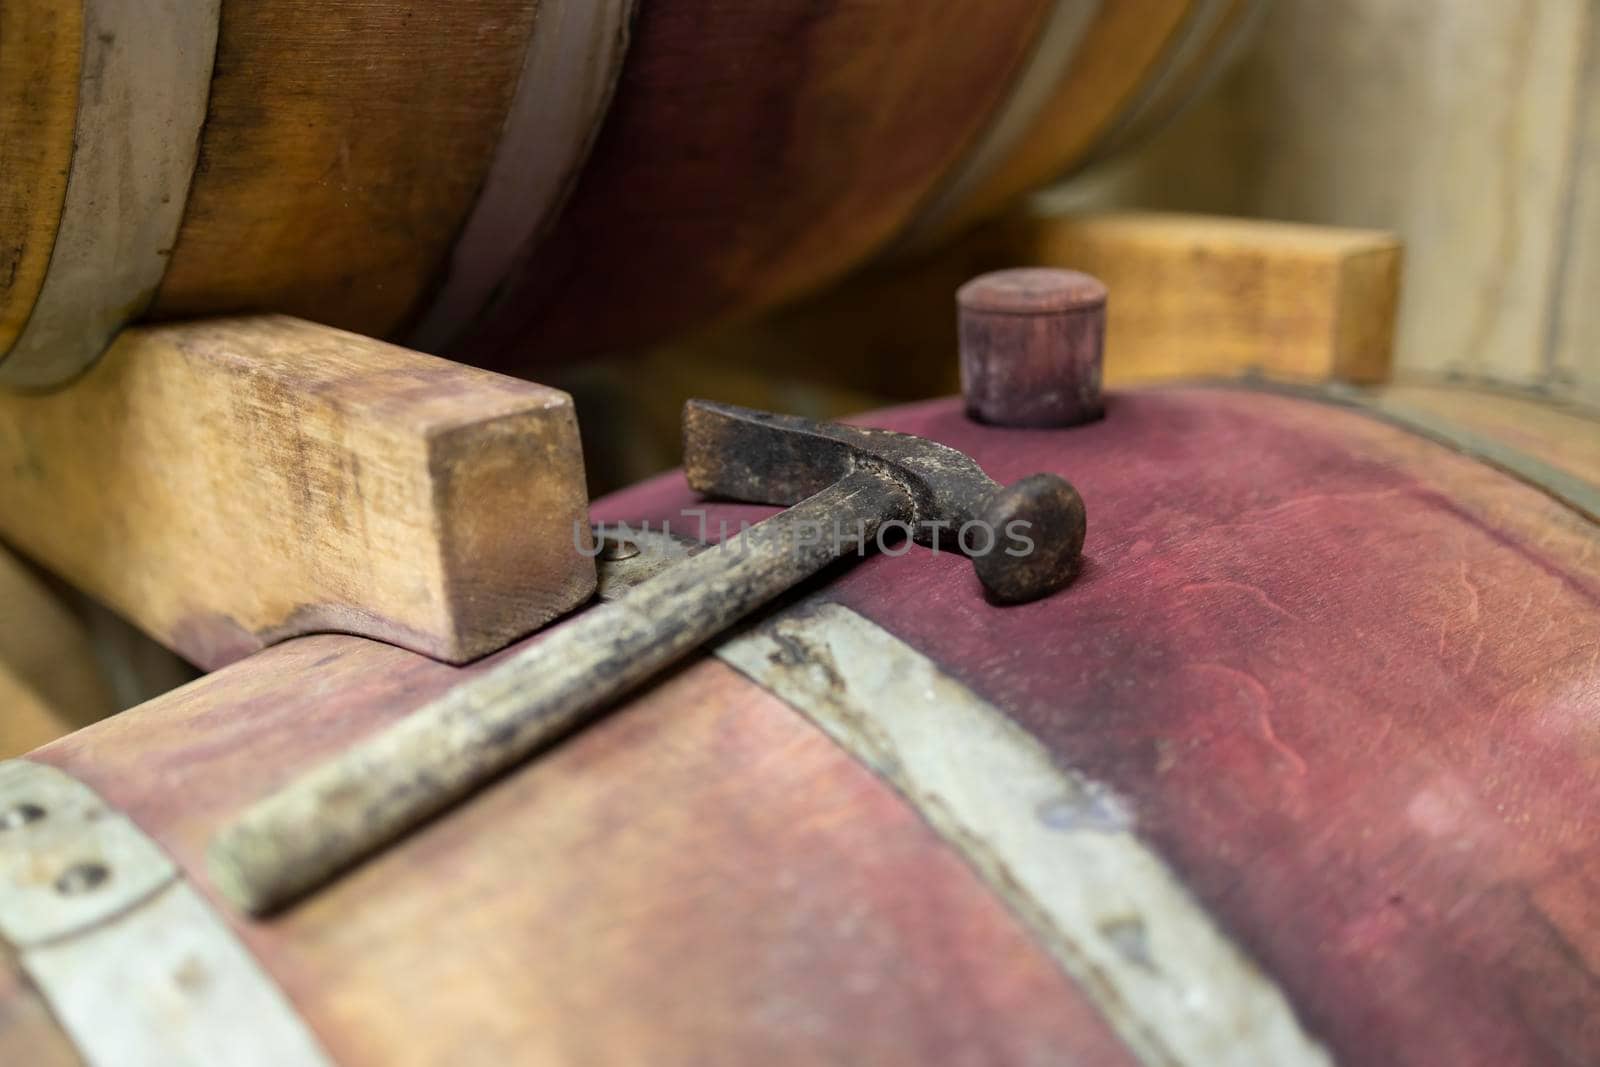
(135, 965)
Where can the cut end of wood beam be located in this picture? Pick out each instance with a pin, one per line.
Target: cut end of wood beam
(231, 483)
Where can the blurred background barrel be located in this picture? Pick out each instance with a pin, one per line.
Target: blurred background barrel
(755, 155)
(516, 182)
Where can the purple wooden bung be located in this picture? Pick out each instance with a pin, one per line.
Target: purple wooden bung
(1032, 340)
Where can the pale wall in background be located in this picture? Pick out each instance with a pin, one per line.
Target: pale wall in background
(1471, 127)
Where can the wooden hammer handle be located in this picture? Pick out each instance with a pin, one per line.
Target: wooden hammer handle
(330, 818)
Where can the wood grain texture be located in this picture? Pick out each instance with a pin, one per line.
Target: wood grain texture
(41, 45)
(1345, 681)
(341, 811)
(1213, 296)
(1467, 129)
(227, 484)
(702, 878)
(569, 72)
(754, 151)
(343, 147)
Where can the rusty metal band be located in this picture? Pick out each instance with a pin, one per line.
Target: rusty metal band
(1062, 851)
(146, 79)
(569, 74)
(1048, 65)
(136, 967)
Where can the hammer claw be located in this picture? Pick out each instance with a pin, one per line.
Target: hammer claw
(1032, 533)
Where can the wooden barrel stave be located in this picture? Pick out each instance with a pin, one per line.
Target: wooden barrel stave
(1119, 48)
(42, 45)
(344, 145)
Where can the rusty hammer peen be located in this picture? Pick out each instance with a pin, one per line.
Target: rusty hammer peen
(839, 478)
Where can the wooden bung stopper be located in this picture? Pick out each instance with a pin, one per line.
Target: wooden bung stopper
(1031, 346)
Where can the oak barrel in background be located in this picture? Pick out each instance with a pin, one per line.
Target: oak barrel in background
(425, 172)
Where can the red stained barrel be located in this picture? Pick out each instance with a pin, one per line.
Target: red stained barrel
(1346, 679)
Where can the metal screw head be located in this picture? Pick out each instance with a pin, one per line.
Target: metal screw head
(20, 815)
(616, 549)
(82, 878)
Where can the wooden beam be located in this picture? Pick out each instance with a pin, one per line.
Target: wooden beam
(229, 483)
(1205, 295)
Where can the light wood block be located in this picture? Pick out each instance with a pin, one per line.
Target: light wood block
(1205, 295)
(230, 483)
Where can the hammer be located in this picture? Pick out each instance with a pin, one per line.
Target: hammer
(845, 485)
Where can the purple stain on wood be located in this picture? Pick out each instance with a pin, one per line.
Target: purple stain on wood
(1345, 681)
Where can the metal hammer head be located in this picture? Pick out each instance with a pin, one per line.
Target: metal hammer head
(1024, 540)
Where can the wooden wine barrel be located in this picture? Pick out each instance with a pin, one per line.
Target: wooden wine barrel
(1301, 769)
(402, 171)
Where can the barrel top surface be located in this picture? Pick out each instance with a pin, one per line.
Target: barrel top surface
(1031, 291)
(1345, 677)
